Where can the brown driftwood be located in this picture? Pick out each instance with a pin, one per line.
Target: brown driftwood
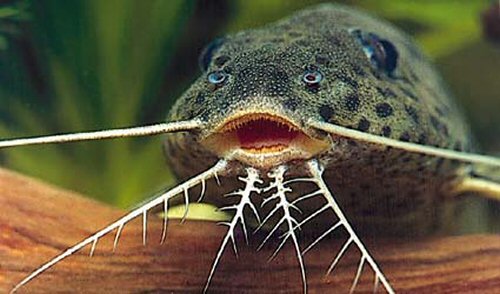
(38, 221)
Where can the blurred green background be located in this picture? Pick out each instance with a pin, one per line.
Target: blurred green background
(68, 66)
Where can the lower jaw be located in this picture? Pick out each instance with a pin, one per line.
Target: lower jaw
(265, 156)
(268, 159)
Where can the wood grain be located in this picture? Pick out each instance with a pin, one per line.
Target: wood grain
(38, 221)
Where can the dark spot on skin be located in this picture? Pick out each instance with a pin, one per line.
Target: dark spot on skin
(386, 131)
(205, 115)
(358, 70)
(383, 109)
(455, 163)
(439, 164)
(439, 126)
(326, 112)
(363, 125)
(445, 130)
(200, 98)
(333, 40)
(352, 143)
(386, 93)
(412, 112)
(291, 104)
(421, 168)
(371, 160)
(376, 74)
(422, 139)
(352, 102)
(348, 80)
(221, 60)
(405, 136)
(409, 94)
(406, 158)
(322, 59)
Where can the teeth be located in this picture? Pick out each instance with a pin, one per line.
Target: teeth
(268, 149)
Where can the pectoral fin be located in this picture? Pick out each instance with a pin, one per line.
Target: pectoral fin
(482, 180)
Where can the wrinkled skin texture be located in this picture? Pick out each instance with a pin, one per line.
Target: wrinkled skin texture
(381, 189)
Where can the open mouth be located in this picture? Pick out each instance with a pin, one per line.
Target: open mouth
(263, 136)
(262, 133)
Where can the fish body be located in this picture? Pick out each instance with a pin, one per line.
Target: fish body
(371, 77)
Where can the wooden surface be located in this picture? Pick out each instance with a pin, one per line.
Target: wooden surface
(38, 221)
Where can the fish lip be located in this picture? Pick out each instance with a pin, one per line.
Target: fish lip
(293, 142)
(243, 117)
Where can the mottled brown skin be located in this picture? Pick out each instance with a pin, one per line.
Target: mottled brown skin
(381, 189)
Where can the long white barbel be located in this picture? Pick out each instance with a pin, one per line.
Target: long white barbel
(160, 128)
(211, 172)
(317, 172)
(411, 147)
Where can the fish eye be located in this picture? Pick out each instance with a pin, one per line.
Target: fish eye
(312, 77)
(216, 77)
(382, 53)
